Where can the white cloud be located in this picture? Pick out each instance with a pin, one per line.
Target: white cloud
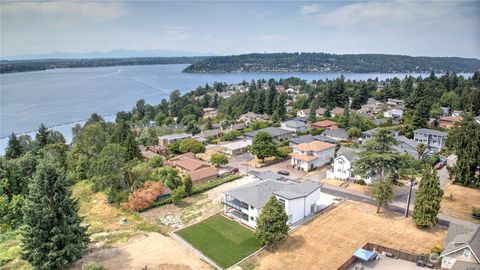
(65, 12)
(310, 9)
(270, 38)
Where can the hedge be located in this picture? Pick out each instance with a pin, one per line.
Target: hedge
(199, 189)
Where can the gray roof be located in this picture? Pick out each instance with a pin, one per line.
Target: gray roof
(460, 236)
(273, 131)
(379, 121)
(258, 192)
(324, 139)
(406, 145)
(336, 133)
(302, 139)
(430, 131)
(460, 265)
(175, 136)
(349, 153)
(295, 124)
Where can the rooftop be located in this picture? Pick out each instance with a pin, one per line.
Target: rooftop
(258, 192)
(238, 144)
(336, 133)
(349, 153)
(175, 136)
(462, 235)
(313, 146)
(273, 131)
(294, 124)
(430, 131)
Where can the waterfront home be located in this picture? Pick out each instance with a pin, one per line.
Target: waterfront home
(312, 155)
(245, 203)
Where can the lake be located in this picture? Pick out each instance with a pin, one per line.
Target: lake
(59, 98)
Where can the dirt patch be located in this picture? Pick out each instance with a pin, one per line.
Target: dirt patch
(192, 209)
(152, 250)
(464, 199)
(366, 190)
(330, 239)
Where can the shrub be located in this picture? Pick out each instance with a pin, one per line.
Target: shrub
(476, 213)
(178, 194)
(191, 145)
(316, 131)
(283, 151)
(93, 266)
(434, 159)
(360, 182)
(232, 135)
(436, 249)
(219, 159)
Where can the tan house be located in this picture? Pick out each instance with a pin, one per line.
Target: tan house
(336, 111)
(449, 121)
(320, 112)
(199, 171)
(308, 156)
(461, 247)
(326, 124)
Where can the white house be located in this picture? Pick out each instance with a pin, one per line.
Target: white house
(308, 156)
(342, 166)
(245, 203)
(295, 126)
(171, 138)
(236, 148)
(461, 247)
(393, 113)
(303, 113)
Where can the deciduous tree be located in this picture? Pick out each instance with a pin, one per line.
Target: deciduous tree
(272, 223)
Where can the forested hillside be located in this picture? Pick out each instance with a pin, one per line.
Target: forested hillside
(324, 62)
(44, 64)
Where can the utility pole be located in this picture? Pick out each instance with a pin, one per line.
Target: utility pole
(409, 198)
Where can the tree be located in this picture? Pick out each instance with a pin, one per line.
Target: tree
(191, 145)
(14, 149)
(187, 184)
(53, 236)
(169, 176)
(219, 159)
(354, 133)
(94, 119)
(160, 119)
(263, 145)
(41, 137)
(382, 192)
(312, 117)
(272, 223)
(345, 120)
(420, 150)
(131, 148)
(428, 198)
(178, 194)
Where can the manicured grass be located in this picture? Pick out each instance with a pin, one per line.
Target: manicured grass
(224, 241)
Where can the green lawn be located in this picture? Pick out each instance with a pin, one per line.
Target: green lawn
(224, 241)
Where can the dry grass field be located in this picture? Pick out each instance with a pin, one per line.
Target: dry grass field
(367, 190)
(464, 199)
(331, 239)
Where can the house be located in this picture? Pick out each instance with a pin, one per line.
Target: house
(372, 106)
(209, 113)
(310, 138)
(269, 175)
(303, 113)
(326, 124)
(249, 117)
(457, 113)
(295, 126)
(336, 111)
(393, 113)
(210, 134)
(445, 111)
(380, 121)
(371, 132)
(320, 112)
(199, 171)
(308, 156)
(342, 166)
(301, 119)
(245, 203)
(292, 91)
(236, 148)
(449, 121)
(150, 152)
(406, 146)
(171, 138)
(338, 134)
(433, 139)
(277, 134)
(393, 103)
(461, 247)
(239, 126)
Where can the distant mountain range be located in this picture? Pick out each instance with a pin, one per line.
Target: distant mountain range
(120, 53)
(325, 62)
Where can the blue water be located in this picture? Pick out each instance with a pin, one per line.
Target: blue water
(60, 98)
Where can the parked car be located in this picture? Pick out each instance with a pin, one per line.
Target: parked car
(439, 165)
(283, 172)
(232, 170)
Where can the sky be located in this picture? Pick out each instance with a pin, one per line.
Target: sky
(423, 28)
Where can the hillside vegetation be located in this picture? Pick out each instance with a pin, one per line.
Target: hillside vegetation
(324, 62)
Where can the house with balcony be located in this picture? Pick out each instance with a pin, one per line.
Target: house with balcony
(245, 203)
(433, 139)
(312, 155)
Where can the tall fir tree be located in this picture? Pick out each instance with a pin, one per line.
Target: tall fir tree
(428, 198)
(41, 137)
(312, 117)
(345, 120)
(14, 149)
(272, 223)
(53, 236)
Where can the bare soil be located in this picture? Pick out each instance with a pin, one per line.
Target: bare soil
(330, 239)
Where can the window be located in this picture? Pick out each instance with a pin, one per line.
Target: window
(340, 161)
(251, 207)
(466, 253)
(252, 218)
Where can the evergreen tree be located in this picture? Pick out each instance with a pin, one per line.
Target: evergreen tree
(428, 198)
(327, 112)
(312, 117)
(279, 108)
(272, 223)
(41, 137)
(187, 184)
(94, 118)
(345, 120)
(131, 147)
(14, 149)
(421, 114)
(53, 237)
(382, 192)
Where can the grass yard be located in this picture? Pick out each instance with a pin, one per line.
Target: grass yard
(224, 241)
(464, 200)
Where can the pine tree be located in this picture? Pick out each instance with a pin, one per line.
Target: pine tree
(428, 198)
(53, 237)
(312, 117)
(345, 121)
(14, 149)
(42, 136)
(131, 147)
(272, 223)
(187, 184)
